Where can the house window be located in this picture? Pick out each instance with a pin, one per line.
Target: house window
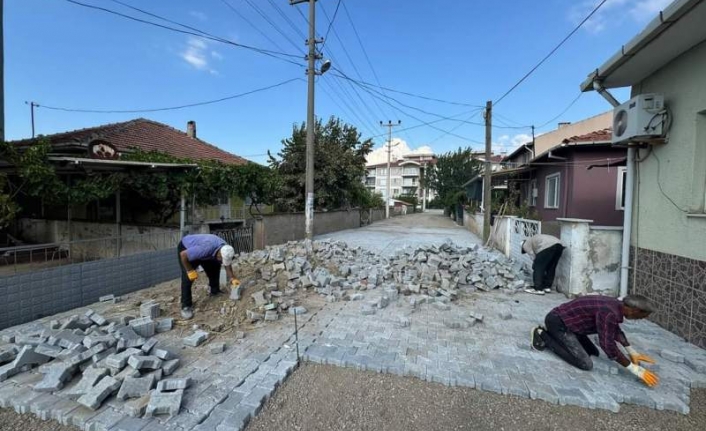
(620, 192)
(551, 191)
(382, 181)
(382, 171)
(532, 200)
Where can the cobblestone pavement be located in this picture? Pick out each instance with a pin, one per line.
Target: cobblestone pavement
(425, 341)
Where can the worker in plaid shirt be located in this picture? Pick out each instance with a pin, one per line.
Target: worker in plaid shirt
(568, 327)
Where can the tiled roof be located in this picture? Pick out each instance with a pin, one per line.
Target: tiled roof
(147, 135)
(595, 136)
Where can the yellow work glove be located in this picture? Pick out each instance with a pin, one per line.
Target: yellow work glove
(636, 357)
(193, 275)
(235, 282)
(648, 377)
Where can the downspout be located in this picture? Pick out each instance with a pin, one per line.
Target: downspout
(629, 196)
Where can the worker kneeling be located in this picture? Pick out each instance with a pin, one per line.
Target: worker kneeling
(568, 327)
(209, 252)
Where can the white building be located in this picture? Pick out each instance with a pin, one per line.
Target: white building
(405, 176)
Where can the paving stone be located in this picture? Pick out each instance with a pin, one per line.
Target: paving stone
(238, 419)
(126, 372)
(135, 387)
(23, 399)
(196, 339)
(164, 403)
(149, 309)
(98, 319)
(119, 360)
(27, 356)
(148, 346)
(144, 326)
(164, 325)
(298, 310)
(163, 354)
(256, 398)
(173, 384)
(139, 362)
(103, 421)
(441, 306)
(217, 348)
(55, 376)
(95, 339)
(367, 310)
(107, 298)
(97, 394)
(698, 365)
(131, 424)
(271, 315)
(259, 298)
(43, 405)
(672, 356)
(136, 408)
(42, 349)
(505, 315)
(170, 366)
(89, 379)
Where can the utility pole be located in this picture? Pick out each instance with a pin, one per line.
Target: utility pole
(487, 190)
(389, 126)
(310, 119)
(31, 110)
(2, 74)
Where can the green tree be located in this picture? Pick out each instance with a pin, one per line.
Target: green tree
(452, 170)
(339, 162)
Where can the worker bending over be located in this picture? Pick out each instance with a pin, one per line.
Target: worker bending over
(545, 251)
(209, 252)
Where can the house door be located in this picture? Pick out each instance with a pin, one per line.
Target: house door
(224, 207)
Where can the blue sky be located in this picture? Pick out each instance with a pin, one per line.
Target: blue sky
(60, 54)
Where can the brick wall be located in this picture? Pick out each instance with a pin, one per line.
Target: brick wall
(26, 297)
(677, 286)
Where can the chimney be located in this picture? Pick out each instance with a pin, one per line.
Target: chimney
(562, 125)
(191, 129)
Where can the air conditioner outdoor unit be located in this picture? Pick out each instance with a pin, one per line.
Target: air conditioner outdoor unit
(641, 118)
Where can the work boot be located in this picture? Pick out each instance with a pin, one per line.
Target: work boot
(187, 313)
(536, 338)
(213, 293)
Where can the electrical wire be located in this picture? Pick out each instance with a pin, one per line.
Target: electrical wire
(171, 108)
(659, 185)
(250, 23)
(195, 32)
(276, 27)
(330, 24)
(556, 48)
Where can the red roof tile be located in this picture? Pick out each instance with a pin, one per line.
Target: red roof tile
(147, 135)
(595, 136)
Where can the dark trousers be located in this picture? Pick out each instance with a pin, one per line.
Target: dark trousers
(544, 266)
(212, 268)
(576, 349)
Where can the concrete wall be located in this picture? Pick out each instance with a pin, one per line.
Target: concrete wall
(500, 234)
(29, 296)
(551, 139)
(280, 228)
(681, 163)
(474, 223)
(590, 263)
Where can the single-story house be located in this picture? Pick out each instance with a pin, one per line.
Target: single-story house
(667, 230)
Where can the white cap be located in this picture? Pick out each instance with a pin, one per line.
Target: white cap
(227, 254)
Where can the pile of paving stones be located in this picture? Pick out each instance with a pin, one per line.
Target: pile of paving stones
(339, 272)
(106, 357)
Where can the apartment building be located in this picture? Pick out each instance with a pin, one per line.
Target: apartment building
(405, 176)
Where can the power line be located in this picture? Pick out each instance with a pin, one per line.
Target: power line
(266, 18)
(427, 123)
(250, 23)
(573, 102)
(171, 108)
(330, 24)
(569, 106)
(195, 32)
(287, 19)
(556, 48)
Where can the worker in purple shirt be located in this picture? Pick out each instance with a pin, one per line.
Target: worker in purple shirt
(568, 327)
(209, 252)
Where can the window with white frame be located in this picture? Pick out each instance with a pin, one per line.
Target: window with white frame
(533, 192)
(620, 191)
(551, 191)
(382, 181)
(382, 171)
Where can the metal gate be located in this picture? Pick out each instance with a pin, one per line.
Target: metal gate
(241, 238)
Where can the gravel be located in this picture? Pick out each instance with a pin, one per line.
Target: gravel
(318, 397)
(9, 420)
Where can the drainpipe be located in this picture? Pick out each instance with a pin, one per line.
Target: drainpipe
(629, 188)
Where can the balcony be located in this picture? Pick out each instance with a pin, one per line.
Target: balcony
(410, 172)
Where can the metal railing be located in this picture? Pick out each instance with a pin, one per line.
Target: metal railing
(26, 258)
(241, 238)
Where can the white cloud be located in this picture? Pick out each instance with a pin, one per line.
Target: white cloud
(217, 55)
(400, 148)
(199, 15)
(507, 144)
(197, 55)
(615, 12)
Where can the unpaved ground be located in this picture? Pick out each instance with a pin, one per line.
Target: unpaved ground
(326, 398)
(11, 421)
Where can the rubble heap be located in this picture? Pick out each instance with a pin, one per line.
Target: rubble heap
(107, 356)
(339, 272)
